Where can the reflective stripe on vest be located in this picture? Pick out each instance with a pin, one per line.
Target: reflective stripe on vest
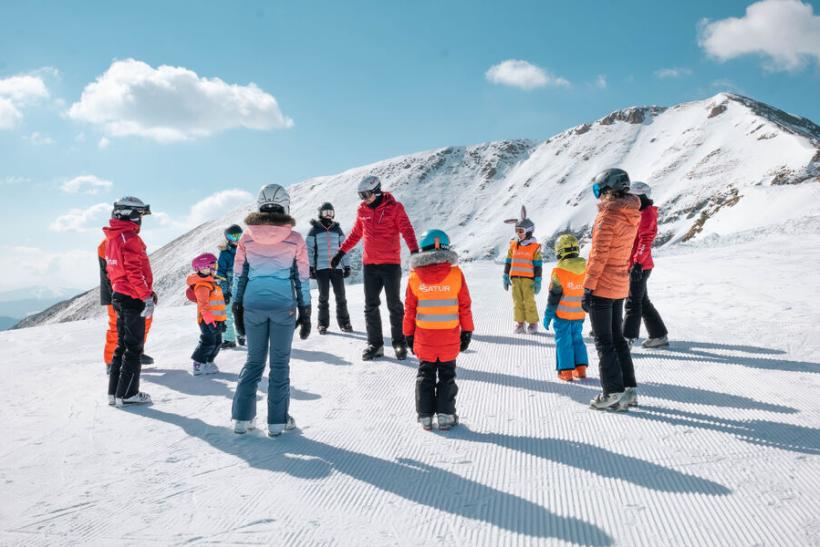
(434, 310)
(522, 257)
(572, 284)
(216, 304)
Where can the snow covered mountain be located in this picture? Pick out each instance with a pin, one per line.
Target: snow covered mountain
(719, 167)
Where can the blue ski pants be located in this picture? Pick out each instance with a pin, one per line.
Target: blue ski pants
(570, 349)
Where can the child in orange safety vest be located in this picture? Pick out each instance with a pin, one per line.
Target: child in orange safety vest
(564, 308)
(522, 272)
(438, 325)
(204, 289)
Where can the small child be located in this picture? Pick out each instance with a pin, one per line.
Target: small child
(224, 271)
(438, 324)
(204, 289)
(564, 307)
(522, 271)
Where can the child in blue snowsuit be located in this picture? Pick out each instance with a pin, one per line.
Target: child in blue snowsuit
(564, 308)
(227, 255)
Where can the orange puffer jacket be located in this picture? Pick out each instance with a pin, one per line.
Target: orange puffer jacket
(612, 236)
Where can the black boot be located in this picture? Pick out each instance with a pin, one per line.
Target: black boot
(371, 352)
(347, 327)
(401, 350)
(322, 329)
(240, 340)
(146, 359)
(228, 344)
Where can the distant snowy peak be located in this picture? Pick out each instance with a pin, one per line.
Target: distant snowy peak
(719, 167)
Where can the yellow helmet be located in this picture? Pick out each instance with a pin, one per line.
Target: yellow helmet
(565, 245)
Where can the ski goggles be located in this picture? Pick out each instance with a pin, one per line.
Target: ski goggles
(596, 190)
(233, 237)
(520, 231)
(329, 213)
(366, 194)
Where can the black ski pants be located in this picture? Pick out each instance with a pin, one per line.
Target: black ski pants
(436, 397)
(376, 278)
(124, 377)
(325, 278)
(210, 342)
(614, 359)
(638, 306)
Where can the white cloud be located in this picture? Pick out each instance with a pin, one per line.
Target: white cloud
(86, 184)
(785, 32)
(600, 81)
(217, 205)
(17, 92)
(82, 220)
(14, 180)
(523, 75)
(34, 266)
(676, 72)
(172, 104)
(103, 143)
(38, 138)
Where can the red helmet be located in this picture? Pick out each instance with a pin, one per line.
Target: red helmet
(205, 260)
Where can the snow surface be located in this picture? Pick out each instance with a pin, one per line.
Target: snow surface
(718, 167)
(724, 449)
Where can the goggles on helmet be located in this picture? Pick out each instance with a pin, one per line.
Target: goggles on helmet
(233, 237)
(596, 189)
(366, 194)
(329, 213)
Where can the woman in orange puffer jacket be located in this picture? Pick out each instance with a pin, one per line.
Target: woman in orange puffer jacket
(606, 284)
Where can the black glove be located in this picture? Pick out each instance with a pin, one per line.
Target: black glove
(223, 326)
(409, 340)
(346, 272)
(466, 336)
(586, 300)
(636, 273)
(313, 273)
(336, 259)
(238, 316)
(303, 322)
(227, 297)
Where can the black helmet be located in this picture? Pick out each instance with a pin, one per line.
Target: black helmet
(130, 208)
(610, 180)
(233, 233)
(327, 206)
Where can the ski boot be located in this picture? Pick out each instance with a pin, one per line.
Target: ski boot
(240, 340)
(607, 402)
(565, 375)
(426, 422)
(519, 328)
(146, 359)
(240, 427)
(371, 352)
(228, 344)
(139, 398)
(198, 369)
(111, 400)
(447, 421)
(274, 430)
(532, 328)
(347, 327)
(211, 368)
(630, 397)
(322, 329)
(401, 350)
(654, 343)
(580, 372)
(631, 342)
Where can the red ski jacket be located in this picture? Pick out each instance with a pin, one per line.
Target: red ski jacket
(647, 230)
(126, 260)
(436, 344)
(380, 228)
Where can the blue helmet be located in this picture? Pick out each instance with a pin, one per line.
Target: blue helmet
(434, 239)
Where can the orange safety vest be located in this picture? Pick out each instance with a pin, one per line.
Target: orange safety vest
(572, 284)
(522, 257)
(437, 306)
(217, 300)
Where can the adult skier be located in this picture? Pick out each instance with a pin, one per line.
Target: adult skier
(606, 284)
(638, 306)
(380, 221)
(272, 285)
(323, 242)
(224, 271)
(133, 298)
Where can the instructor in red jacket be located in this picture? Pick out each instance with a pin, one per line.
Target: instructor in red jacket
(380, 221)
(132, 296)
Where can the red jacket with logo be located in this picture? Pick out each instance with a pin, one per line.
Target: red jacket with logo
(381, 228)
(647, 230)
(436, 344)
(126, 260)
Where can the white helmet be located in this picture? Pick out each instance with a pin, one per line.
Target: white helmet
(273, 198)
(369, 185)
(640, 189)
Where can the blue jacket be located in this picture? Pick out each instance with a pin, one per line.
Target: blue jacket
(224, 268)
(323, 242)
(271, 267)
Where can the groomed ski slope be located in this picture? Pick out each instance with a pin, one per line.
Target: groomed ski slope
(724, 450)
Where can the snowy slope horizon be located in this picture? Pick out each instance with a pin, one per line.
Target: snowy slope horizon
(719, 167)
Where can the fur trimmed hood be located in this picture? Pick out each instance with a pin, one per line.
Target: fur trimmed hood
(269, 219)
(436, 256)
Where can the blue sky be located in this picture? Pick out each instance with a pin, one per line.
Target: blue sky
(360, 81)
